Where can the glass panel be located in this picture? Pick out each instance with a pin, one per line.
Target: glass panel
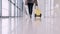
(12, 10)
(16, 9)
(12, 1)
(0, 7)
(5, 6)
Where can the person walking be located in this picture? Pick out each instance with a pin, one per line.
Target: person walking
(30, 4)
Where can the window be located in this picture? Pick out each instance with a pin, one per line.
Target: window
(5, 8)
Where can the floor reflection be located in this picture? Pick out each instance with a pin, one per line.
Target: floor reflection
(31, 26)
(21, 25)
(0, 26)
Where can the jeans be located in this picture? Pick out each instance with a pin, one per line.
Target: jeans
(30, 8)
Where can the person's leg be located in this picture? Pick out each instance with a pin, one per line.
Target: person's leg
(30, 7)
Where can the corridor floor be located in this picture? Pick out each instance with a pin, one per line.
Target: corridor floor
(25, 25)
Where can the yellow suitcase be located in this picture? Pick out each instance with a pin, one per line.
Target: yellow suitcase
(37, 12)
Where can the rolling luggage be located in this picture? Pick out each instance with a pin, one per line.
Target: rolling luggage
(38, 12)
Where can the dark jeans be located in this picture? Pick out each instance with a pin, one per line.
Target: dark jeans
(30, 8)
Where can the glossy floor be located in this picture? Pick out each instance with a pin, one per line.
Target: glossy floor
(25, 25)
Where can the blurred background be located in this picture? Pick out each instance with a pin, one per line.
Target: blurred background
(14, 17)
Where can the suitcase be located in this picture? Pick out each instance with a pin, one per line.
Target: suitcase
(38, 12)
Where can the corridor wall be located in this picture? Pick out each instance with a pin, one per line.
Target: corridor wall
(0, 16)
